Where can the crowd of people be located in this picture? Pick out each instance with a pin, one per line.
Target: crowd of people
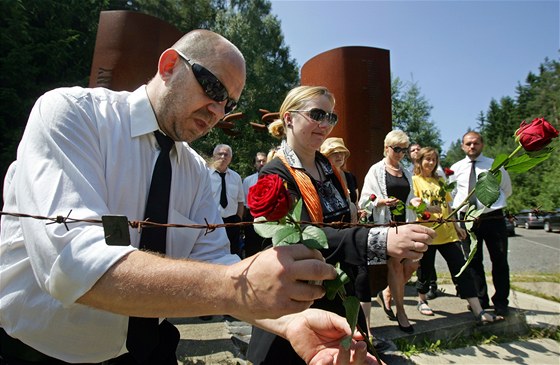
(96, 152)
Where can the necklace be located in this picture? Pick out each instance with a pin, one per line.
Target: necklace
(393, 168)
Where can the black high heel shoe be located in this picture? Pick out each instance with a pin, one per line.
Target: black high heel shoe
(388, 311)
(408, 329)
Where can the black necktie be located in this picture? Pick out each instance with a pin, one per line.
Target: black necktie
(143, 334)
(472, 183)
(223, 194)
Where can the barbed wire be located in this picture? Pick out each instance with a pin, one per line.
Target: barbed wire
(209, 227)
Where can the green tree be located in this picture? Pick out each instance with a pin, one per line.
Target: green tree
(186, 15)
(270, 74)
(43, 45)
(411, 113)
(500, 122)
(538, 97)
(453, 154)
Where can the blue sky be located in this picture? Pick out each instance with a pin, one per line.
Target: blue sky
(461, 53)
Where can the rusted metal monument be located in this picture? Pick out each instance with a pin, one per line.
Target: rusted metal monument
(127, 49)
(360, 80)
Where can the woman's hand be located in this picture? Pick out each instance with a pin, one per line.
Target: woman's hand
(389, 202)
(315, 335)
(409, 241)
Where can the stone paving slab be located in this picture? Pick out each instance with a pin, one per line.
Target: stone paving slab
(222, 340)
(530, 352)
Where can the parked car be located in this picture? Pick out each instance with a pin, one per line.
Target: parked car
(529, 219)
(510, 227)
(551, 221)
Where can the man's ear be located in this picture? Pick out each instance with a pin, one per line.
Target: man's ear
(167, 62)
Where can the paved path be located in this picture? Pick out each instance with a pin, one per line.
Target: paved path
(223, 341)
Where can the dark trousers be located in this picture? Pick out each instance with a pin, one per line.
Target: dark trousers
(15, 352)
(455, 260)
(234, 234)
(491, 229)
(253, 242)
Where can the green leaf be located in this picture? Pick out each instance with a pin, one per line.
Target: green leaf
(526, 162)
(288, 234)
(266, 230)
(471, 253)
(296, 210)
(487, 188)
(333, 286)
(312, 243)
(472, 213)
(346, 342)
(352, 307)
(399, 209)
(315, 234)
(499, 160)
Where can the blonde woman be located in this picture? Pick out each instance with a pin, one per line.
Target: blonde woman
(391, 184)
(307, 118)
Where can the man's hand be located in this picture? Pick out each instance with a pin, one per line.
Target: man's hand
(315, 335)
(409, 241)
(274, 282)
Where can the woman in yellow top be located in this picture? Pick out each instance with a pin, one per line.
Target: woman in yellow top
(426, 186)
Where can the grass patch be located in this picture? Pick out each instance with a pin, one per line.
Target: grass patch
(445, 277)
(535, 293)
(410, 349)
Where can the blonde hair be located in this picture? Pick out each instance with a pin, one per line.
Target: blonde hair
(395, 137)
(421, 155)
(296, 99)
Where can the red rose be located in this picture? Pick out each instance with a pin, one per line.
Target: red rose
(372, 197)
(269, 198)
(447, 171)
(426, 216)
(536, 135)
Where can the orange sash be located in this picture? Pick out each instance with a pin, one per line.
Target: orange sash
(308, 192)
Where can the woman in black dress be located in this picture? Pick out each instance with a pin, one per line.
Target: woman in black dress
(307, 118)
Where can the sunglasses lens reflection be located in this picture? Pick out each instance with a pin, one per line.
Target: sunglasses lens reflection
(213, 87)
(320, 116)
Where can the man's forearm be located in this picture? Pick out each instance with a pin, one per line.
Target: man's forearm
(146, 285)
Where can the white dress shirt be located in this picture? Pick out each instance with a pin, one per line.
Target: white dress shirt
(462, 171)
(92, 152)
(247, 183)
(234, 191)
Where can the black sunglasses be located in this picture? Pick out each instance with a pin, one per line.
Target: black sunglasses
(210, 84)
(399, 149)
(320, 116)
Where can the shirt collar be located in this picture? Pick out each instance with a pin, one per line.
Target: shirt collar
(290, 155)
(142, 117)
(212, 169)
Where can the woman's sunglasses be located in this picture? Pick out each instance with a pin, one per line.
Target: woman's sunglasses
(210, 84)
(399, 149)
(319, 116)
